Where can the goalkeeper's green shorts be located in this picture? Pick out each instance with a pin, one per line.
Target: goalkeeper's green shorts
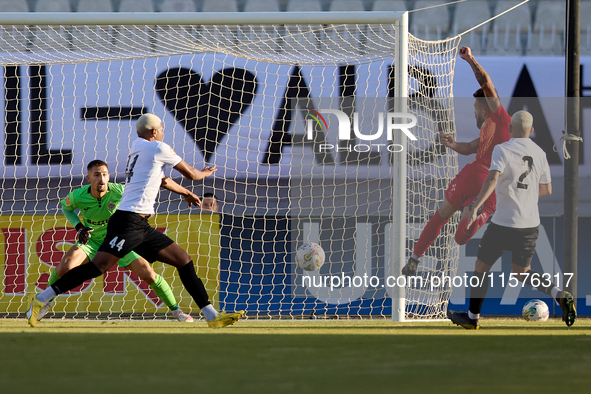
(92, 247)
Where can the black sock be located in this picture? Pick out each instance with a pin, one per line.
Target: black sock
(76, 276)
(194, 285)
(544, 285)
(478, 293)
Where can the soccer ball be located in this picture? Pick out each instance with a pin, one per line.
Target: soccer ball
(535, 310)
(310, 256)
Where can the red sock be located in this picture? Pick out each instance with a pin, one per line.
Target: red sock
(464, 234)
(429, 234)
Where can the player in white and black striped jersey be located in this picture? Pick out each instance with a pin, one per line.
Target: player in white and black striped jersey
(519, 174)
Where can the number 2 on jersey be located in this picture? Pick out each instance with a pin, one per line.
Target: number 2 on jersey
(530, 162)
(129, 167)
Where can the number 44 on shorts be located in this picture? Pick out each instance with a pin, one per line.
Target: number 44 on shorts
(114, 244)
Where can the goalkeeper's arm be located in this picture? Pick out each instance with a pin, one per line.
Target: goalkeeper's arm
(71, 215)
(83, 232)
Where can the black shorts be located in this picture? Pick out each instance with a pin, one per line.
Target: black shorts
(129, 231)
(500, 239)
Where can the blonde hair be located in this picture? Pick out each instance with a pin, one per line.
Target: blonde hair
(147, 122)
(522, 122)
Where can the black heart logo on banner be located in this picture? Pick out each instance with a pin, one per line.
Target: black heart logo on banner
(206, 110)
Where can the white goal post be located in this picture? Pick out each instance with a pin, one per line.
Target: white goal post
(262, 96)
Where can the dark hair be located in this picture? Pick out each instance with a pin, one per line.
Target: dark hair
(479, 93)
(95, 163)
(481, 97)
(205, 195)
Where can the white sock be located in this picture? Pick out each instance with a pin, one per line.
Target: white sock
(554, 292)
(414, 256)
(46, 295)
(209, 312)
(473, 316)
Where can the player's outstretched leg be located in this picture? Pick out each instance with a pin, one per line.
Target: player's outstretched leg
(567, 304)
(563, 298)
(462, 319)
(182, 316)
(33, 312)
(464, 233)
(428, 235)
(196, 289)
(71, 279)
(174, 255)
(52, 279)
(144, 270)
(44, 310)
(469, 320)
(224, 319)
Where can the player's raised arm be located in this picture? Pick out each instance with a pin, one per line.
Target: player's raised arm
(483, 79)
(192, 173)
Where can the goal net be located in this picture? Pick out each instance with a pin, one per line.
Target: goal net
(305, 122)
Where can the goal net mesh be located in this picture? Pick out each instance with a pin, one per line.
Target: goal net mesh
(254, 101)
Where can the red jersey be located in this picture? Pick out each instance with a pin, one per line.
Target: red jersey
(494, 131)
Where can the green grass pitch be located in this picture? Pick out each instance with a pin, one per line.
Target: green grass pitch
(346, 356)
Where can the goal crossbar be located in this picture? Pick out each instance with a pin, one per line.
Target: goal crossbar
(198, 18)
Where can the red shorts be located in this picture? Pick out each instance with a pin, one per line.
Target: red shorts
(465, 187)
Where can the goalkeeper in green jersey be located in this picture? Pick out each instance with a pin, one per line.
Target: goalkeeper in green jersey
(97, 202)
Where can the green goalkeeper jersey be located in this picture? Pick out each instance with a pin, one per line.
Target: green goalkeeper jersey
(95, 211)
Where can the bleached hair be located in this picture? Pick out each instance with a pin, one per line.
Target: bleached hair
(147, 122)
(522, 121)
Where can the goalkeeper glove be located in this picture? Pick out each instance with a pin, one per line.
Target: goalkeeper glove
(83, 233)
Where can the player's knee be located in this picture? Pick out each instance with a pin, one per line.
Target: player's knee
(103, 261)
(481, 266)
(61, 270)
(181, 259)
(463, 233)
(185, 261)
(148, 276)
(175, 256)
(461, 238)
(103, 265)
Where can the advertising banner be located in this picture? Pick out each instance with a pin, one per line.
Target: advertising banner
(33, 244)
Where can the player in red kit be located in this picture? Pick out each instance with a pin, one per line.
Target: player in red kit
(493, 121)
